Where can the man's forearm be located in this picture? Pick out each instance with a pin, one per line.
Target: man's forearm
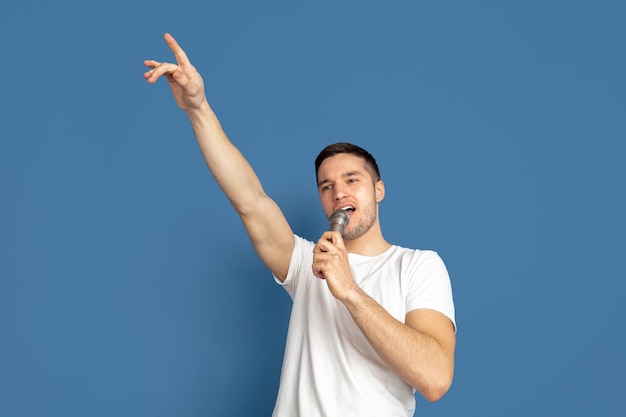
(230, 169)
(417, 358)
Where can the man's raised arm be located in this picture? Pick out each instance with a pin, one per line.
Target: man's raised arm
(266, 225)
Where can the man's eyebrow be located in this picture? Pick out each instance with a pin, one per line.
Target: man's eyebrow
(321, 182)
(344, 175)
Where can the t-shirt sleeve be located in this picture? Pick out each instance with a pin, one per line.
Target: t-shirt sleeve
(429, 285)
(298, 256)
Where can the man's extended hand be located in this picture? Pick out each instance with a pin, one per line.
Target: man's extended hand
(186, 83)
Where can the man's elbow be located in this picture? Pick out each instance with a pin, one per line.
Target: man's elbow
(433, 395)
(437, 388)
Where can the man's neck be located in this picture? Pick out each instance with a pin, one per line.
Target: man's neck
(371, 243)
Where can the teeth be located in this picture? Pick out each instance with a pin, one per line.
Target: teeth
(347, 208)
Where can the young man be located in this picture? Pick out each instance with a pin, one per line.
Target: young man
(370, 321)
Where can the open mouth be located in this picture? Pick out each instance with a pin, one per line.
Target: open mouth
(348, 209)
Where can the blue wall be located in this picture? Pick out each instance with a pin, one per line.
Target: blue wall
(127, 284)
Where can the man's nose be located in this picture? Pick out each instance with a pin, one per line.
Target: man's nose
(339, 192)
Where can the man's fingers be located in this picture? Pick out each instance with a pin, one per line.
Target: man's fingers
(151, 63)
(179, 54)
(330, 241)
(323, 245)
(333, 237)
(179, 72)
(159, 69)
(178, 77)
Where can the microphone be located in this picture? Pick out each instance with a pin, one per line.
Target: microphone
(338, 221)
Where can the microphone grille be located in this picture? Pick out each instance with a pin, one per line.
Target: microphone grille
(339, 217)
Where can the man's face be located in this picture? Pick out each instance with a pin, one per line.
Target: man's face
(344, 182)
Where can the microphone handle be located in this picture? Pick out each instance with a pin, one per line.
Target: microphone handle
(336, 227)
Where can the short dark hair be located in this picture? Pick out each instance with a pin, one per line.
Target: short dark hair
(345, 147)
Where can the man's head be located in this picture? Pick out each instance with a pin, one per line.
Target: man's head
(344, 147)
(348, 179)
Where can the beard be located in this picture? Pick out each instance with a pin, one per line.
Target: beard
(367, 218)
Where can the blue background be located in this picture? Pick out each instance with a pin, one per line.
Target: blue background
(127, 284)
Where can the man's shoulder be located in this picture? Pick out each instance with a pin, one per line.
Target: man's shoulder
(398, 250)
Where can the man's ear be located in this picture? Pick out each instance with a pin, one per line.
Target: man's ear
(379, 187)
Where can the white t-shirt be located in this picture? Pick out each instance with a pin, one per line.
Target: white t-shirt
(329, 368)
